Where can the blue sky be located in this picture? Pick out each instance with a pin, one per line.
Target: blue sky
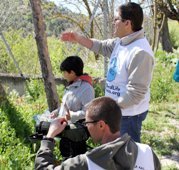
(122, 1)
(71, 7)
(83, 10)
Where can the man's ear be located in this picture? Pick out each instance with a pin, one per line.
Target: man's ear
(128, 25)
(101, 124)
(128, 22)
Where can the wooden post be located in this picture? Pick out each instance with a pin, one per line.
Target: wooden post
(46, 68)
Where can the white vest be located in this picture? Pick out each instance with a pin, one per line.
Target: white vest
(92, 165)
(144, 159)
(117, 76)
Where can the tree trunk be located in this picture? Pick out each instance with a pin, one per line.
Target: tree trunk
(155, 26)
(3, 98)
(46, 68)
(165, 37)
(105, 30)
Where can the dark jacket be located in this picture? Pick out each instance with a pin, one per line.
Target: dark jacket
(120, 154)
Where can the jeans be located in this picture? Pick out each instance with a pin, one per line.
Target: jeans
(132, 125)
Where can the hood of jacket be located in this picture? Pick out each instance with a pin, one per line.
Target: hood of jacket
(118, 154)
(86, 77)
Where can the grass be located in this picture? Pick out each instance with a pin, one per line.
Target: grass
(161, 129)
(174, 33)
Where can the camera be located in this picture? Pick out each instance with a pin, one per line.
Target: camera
(73, 138)
(75, 132)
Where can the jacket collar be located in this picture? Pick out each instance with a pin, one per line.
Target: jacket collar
(132, 37)
(110, 155)
(77, 83)
(87, 78)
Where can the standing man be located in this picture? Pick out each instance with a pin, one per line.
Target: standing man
(130, 66)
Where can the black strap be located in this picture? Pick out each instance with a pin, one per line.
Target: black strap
(49, 139)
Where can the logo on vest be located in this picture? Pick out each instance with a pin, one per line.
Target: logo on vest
(111, 75)
(111, 89)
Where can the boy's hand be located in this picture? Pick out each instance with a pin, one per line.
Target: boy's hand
(54, 114)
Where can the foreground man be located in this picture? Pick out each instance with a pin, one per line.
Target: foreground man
(103, 116)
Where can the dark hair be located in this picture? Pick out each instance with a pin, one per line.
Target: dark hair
(106, 109)
(74, 63)
(133, 12)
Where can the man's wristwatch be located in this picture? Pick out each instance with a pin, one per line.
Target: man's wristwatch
(49, 139)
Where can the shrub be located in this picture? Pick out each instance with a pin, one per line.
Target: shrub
(34, 89)
(99, 91)
(15, 150)
(174, 33)
(163, 87)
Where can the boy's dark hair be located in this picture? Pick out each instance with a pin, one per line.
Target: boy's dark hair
(133, 12)
(74, 63)
(106, 109)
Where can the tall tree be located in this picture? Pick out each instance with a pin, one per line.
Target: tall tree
(169, 9)
(165, 36)
(46, 68)
(162, 11)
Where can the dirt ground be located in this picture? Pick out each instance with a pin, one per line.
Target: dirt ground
(172, 160)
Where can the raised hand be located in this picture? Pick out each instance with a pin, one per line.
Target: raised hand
(69, 36)
(76, 38)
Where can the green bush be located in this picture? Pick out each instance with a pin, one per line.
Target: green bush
(15, 150)
(174, 33)
(99, 91)
(25, 53)
(163, 87)
(34, 89)
(24, 50)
